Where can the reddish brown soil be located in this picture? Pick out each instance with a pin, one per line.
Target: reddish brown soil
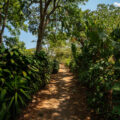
(61, 99)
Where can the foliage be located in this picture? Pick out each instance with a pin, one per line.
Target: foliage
(14, 42)
(55, 66)
(97, 64)
(11, 17)
(46, 15)
(95, 49)
(20, 77)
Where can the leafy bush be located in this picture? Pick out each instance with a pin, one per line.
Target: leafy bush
(101, 79)
(55, 66)
(67, 62)
(20, 76)
(97, 72)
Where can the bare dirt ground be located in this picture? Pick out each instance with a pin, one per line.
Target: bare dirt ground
(61, 99)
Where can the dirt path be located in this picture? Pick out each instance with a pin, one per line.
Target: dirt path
(62, 99)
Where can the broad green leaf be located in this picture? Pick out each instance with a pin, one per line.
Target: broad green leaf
(11, 102)
(12, 61)
(25, 94)
(21, 100)
(2, 94)
(24, 73)
(16, 99)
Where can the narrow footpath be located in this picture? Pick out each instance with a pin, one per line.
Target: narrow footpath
(61, 99)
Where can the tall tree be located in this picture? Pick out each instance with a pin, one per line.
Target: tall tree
(42, 14)
(3, 16)
(107, 15)
(11, 16)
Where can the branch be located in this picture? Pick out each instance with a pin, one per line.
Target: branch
(45, 2)
(55, 6)
(52, 11)
(1, 16)
(41, 9)
(5, 17)
(0, 20)
(58, 2)
(54, 3)
(46, 6)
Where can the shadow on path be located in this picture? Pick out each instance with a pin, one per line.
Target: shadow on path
(61, 99)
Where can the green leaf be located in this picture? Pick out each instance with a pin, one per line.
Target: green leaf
(16, 99)
(24, 73)
(12, 61)
(11, 102)
(3, 93)
(3, 111)
(6, 70)
(21, 100)
(25, 94)
(11, 53)
(3, 80)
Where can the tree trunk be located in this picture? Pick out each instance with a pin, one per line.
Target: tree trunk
(40, 29)
(0, 38)
(44, 20)
(2, 25)
(40, 37)
(39, 42)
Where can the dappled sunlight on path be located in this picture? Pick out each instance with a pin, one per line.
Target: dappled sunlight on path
(61, 99)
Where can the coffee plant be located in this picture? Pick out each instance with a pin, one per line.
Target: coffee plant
(20, 76)
(97, 67)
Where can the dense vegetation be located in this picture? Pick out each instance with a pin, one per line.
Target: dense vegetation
(86, 41)
(97, 62)
(21, 76)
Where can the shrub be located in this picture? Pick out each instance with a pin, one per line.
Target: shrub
(20, 76)
(55, 66)
(97, 73)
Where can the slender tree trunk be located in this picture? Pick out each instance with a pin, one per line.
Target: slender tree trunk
(2, 25)
(39, 41)
(44, 20)
(0, 38)
(40, 29)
